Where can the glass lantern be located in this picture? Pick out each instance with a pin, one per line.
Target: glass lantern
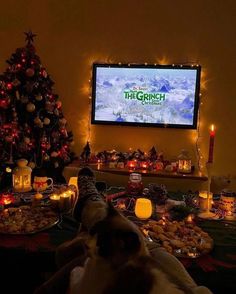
(184, 163)
(21, 179)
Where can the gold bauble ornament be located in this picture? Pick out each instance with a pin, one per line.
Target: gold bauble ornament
(37, 120)
(46, 121)
(39, 97)
(30, 107)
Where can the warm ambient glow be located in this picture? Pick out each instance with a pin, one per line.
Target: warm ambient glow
(73, 181)
(143, 208)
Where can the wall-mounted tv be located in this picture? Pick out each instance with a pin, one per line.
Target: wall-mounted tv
(146, 95)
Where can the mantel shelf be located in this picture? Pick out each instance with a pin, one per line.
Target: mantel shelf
(161, 174)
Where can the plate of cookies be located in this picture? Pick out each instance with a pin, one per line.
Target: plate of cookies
(24, 220)
(179, 238)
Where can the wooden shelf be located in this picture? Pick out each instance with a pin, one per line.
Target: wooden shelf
(161, 174)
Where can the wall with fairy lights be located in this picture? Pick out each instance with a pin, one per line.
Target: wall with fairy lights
(74, 34)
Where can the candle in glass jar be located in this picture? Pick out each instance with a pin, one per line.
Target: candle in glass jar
(211, 144)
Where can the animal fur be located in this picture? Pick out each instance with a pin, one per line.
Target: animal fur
(119, 262)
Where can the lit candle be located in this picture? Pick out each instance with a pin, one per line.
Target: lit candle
(189, 218)
(211, 143)
(204, 201)
(54, 199)
(65, 201)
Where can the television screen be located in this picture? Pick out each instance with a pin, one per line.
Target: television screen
(158, 96)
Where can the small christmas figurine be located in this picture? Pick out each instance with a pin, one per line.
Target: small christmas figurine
(152, 154)
(85, 155)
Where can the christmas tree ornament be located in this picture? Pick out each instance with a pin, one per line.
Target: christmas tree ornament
(9, 86)
(4, 103)
(37, 120)
(38, 97)
(58, 104)
(56, 164)
(30, 107)
(46, 121)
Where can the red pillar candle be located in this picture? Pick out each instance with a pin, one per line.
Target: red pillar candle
(211, 144)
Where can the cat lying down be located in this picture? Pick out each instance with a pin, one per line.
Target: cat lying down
(118, 259)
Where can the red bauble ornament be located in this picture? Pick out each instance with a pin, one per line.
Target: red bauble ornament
(30, 72)
(4, 103)
(58, 104)
(9, 86)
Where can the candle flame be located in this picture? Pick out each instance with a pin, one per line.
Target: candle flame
(212, 128)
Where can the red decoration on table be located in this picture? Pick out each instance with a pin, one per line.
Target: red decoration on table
(6, 198)
(131, 164)
(211, 144)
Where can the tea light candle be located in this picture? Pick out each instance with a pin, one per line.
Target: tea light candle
(204, 201)
(65, 201)
(190, 218)
(54, 199)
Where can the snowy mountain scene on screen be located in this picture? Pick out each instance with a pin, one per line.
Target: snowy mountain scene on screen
(145, 95)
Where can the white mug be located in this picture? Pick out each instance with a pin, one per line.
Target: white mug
(41, 183)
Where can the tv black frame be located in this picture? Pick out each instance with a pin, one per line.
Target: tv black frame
(138, 124)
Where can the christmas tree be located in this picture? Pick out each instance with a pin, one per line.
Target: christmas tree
(32, 124)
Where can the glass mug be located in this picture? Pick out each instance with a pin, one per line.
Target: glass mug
(41, 183)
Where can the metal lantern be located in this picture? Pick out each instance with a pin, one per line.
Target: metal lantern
(21, 179)
(184, 162)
